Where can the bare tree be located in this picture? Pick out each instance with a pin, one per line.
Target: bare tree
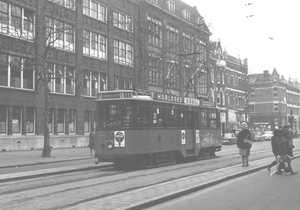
(40, 34)
(185, 58)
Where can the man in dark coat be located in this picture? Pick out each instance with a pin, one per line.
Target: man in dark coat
(92, 141)
(275, 143)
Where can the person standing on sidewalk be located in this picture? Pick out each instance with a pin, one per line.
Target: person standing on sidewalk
(92, 141)
(244, 148)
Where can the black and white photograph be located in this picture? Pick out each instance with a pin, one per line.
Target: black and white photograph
(149, 104)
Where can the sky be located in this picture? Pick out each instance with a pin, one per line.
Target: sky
(270, 38)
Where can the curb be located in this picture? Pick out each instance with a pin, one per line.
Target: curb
(43, 163)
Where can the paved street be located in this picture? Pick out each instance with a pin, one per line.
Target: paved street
(256, 191)
(152, 193)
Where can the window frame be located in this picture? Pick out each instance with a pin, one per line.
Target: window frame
(100, 11)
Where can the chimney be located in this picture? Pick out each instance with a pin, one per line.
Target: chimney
(266, 72)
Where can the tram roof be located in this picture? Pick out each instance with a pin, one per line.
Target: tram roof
(152, 96)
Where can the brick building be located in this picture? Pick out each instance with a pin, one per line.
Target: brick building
(229, 76)
(87, 46)
(273, 100)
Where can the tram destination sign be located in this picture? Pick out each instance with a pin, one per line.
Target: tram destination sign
(115, 95)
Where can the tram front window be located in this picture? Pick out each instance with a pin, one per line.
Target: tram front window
(115, 115)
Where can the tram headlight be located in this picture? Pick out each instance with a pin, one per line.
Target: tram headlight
(110, 145)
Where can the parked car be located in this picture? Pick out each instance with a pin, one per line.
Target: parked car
(258, 137)
(229, 138)
(267, 135)
(252, 134)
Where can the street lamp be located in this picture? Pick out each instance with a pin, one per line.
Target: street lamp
(291, 119)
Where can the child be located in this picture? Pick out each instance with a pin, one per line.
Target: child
(285, 164)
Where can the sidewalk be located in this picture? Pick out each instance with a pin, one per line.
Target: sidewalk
(17, 158)
(145, 197)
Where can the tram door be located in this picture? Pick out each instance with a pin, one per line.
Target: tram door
(190, 132)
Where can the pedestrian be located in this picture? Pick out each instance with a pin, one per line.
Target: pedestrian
(290, 140)
(283, 159)
(244, 144)
(92, 141)
(275, 141)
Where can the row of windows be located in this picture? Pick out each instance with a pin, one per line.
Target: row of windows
(123, 53)
(60, 35)
(17, 121)
(94, 45)
(275, 108)
(132, 115)
(155, 67)
(122, 21)
(123, 83)
(26, 123)
(95, 10)
(17, 72)
(231, 79)
(70, 4)
(16, 21)
(93, 82)
(185, 13)
(61, 79)
(19, 22)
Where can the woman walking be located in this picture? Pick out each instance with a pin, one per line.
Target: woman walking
(244, 144)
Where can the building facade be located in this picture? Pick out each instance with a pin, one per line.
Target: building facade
(80, 47)
(230, 89)
(274, 102)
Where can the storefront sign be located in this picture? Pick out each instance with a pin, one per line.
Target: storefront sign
(192, 101)
(167, 97)
(207, 103)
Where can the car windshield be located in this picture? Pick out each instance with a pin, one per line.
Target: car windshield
(268, 132)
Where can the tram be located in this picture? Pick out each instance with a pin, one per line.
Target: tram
(154, 129)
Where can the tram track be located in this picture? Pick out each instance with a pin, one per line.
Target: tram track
(120, 183)
(78, 169)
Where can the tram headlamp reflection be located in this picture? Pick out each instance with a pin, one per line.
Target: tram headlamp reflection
(110, 145)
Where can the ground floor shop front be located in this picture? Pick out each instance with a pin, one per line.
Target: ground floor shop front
(266, 122)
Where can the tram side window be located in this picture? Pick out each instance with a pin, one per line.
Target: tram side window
(157, 116)
(142, 116)
(190, 119)
(103, 115)
(127, 117)
(182, 119)
(212, 117)
(171, 117)
(203, 119)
